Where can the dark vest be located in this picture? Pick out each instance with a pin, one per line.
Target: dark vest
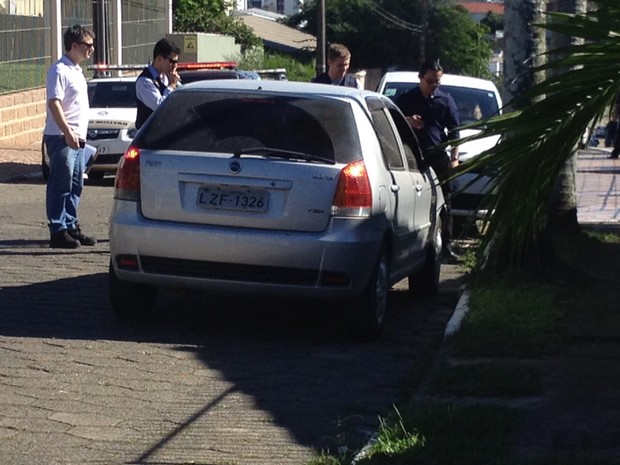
(143, 111)
(348, 80)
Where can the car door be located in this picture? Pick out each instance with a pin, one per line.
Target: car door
(424, 187)
(402, 190)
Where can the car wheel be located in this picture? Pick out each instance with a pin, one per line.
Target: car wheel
(367, 312)
(130, 300)
(45, 167)
(425, 282)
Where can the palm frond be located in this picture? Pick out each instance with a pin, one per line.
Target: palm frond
(537, 141)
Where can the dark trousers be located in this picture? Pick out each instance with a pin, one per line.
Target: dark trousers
(616, 151)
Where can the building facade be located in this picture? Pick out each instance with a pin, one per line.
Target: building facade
(283, 7)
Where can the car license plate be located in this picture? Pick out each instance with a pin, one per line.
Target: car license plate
(225, 198)
(101, 149)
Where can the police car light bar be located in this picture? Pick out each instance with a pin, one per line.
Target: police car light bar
(208, 65)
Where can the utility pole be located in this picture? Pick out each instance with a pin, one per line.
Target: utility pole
(423, 30)
(101, 55)
(320, 37)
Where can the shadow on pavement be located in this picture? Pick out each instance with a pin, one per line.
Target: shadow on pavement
(289, 356)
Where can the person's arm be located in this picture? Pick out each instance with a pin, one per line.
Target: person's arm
(148, 93)
(58, 114)
(407, 104)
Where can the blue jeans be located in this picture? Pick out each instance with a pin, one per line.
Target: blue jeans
(64, 185)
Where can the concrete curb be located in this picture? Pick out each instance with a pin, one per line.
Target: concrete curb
(462, 307)
(454, 323)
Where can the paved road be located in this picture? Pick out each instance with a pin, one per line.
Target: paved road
(206, 380)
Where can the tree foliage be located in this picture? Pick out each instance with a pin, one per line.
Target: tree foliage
(210, 16)
(388, 33)
(493, 21)
(537, 140)
(296, 70)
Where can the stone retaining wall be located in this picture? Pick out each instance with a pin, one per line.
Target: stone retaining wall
(22, 117)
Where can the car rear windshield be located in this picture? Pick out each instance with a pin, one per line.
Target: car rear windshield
(473, 104)
(220, 122)
(113, 94)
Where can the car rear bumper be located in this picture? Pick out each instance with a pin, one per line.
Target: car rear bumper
(335, 263)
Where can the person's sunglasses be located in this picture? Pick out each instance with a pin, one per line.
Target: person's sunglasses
(172, 61)
(88, 44)
(433, 81)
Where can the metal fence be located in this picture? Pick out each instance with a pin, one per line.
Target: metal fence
(28, 30)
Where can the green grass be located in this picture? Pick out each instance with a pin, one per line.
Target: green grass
(445, 435)
(490, 379)
(573, 460)
(511, 317)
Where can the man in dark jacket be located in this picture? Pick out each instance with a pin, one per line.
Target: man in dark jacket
(157, 80)
(338, 62)
(434, 117)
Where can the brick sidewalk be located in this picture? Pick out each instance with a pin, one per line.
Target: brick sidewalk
(598, 188)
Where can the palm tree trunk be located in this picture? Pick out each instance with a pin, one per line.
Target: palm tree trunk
(523, 49)
(563, 205)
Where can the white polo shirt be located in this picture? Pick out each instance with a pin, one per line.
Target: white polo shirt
(65, 82)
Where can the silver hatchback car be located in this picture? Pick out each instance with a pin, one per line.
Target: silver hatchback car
(276, 188)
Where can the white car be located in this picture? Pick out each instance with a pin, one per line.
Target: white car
(476, 99)
(275, 187)
(111, 123)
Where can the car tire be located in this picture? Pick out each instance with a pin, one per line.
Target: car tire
(45, 167)
(130, 300)
(367, 312)
(425, 282)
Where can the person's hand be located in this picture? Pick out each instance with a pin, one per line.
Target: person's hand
(415, 121)
(72, 140)
(454, 163)
(174, 79)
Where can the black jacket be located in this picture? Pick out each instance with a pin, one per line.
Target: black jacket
(348, 80)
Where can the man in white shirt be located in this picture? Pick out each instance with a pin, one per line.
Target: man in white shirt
(64, 135)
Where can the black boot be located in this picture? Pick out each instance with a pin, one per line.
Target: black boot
(83, 239)
(62, 240)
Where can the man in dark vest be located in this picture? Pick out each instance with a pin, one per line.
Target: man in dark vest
(157, 80)
(338, 62)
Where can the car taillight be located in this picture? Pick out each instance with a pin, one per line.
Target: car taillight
(353, 195)
(127, 183)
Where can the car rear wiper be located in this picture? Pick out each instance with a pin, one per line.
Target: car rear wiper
(272, 152)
